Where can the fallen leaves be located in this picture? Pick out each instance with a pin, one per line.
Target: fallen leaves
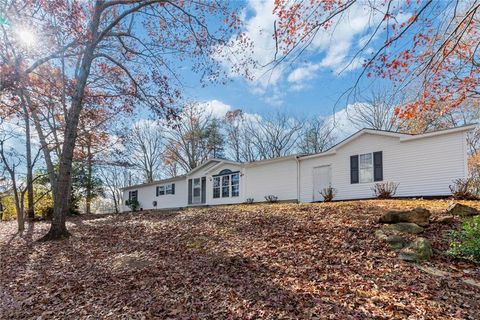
(245, 262)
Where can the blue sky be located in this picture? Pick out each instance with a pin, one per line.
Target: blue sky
(311, 85)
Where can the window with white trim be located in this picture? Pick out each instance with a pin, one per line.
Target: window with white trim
(166, 189)
(365, 167)
(235, 181)
(226, 185)
(216, 187)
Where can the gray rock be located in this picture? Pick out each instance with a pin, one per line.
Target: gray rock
(419, 216)
(461, 210)
(380, 235)
(395, 241)
(445, 220)
(420, 249)
(403, 227)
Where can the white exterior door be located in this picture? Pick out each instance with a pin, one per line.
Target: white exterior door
(322, 178)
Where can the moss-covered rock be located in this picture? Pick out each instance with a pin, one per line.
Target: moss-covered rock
(395, 241)
(461, 210)
(403, 227)
(418, 250)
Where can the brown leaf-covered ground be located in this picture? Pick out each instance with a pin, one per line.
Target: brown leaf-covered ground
(237, 262)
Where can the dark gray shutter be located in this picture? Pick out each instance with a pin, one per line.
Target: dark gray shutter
(377, 166)
(157, 190)
(354, 169)
(173, 188)
(189, 191)
(204, 189)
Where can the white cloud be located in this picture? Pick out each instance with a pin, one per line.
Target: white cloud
(258, 28)
(332, 49)
(342, 126)
(217, 108)
(305, 72)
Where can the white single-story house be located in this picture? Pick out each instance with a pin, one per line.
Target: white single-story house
(422, 165)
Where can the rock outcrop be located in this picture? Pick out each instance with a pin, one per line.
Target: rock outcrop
(403, 227)
(418, 216)
(418, 250)
(461, 210)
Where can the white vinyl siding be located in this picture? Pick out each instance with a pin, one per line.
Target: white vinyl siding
(421, 167)
(148, 194)
(278, 178)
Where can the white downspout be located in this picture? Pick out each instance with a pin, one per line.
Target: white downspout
(298, 179)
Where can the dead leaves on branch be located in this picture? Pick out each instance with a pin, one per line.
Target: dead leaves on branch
(245, 262)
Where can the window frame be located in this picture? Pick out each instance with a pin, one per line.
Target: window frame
(168, 189)
(216, 188)
(235, 185)
(160, 190)
(362, 170)
(225, 186)
(218, 185)
(131, 193)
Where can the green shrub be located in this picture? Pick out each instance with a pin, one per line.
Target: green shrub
(133, 204)
(465, 243)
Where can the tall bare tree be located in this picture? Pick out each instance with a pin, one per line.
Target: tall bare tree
(377, 112)
(316, 136)
(275, 135)
(145, 146)
(187, 138)
(115, 176)
(108, 40)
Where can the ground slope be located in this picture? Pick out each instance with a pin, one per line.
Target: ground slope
(240, 262)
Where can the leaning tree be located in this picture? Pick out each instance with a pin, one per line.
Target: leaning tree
(126, 53)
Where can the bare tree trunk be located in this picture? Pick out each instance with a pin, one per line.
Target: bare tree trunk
(58, 229)
(88, 198)
(115, 201)
(43, 143)
(28, 146)
(18, 208)
(11, 171)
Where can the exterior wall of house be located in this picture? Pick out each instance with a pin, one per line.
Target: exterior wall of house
(147, 194)
(422, 167)
(278, 178)
(201, 172)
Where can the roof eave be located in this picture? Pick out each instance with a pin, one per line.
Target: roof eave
(465, 128)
